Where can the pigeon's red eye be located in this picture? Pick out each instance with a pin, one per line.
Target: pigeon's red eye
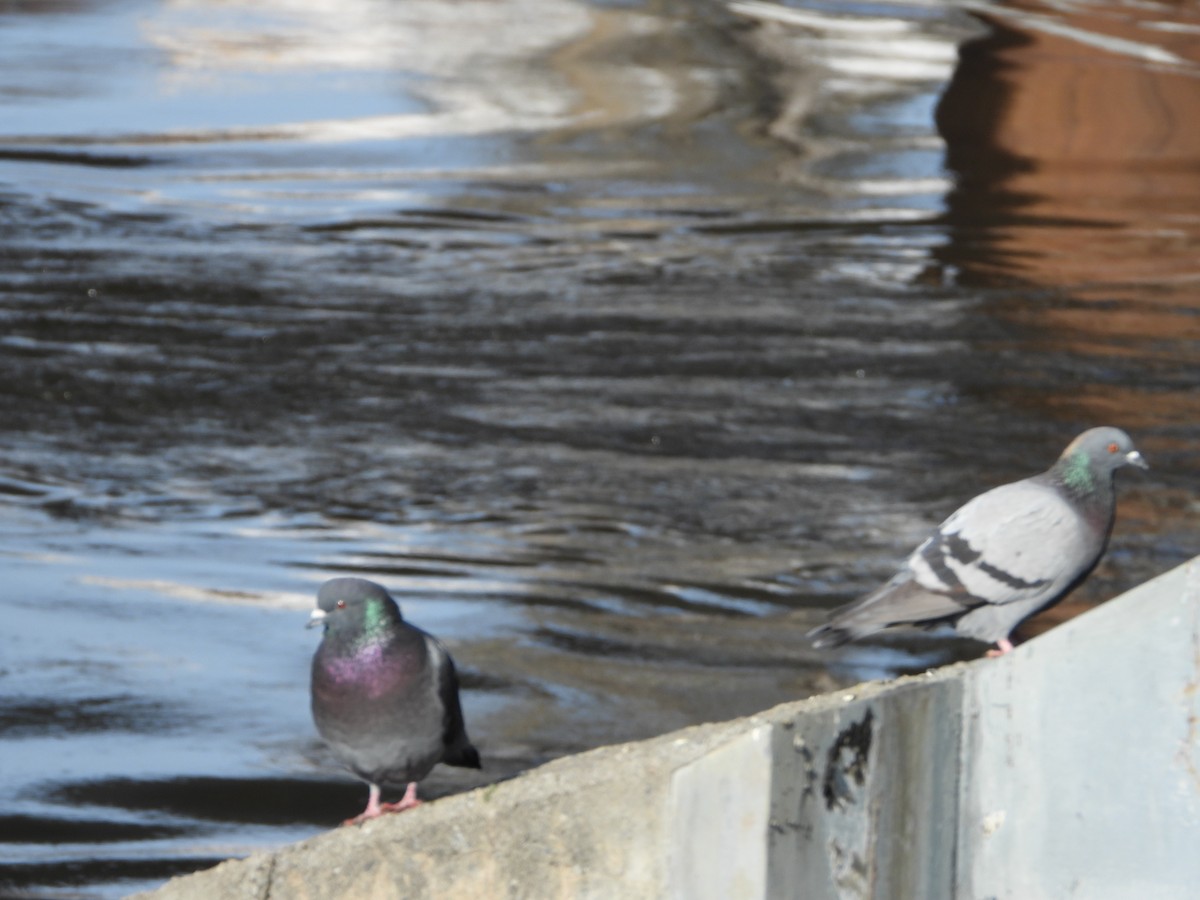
(1113, 448)
(341, 604)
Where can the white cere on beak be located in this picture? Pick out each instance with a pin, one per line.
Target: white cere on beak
(315, 618)
(1136, 459)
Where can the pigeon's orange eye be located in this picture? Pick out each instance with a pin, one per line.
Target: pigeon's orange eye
(1113, 448)
(341, 604)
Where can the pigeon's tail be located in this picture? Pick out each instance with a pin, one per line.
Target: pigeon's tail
(859, 619)
(829, 636)
(465, 756)
(844, 627)
(899, 602)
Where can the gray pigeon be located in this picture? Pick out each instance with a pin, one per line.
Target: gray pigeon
(384, 693)
(1005, 555)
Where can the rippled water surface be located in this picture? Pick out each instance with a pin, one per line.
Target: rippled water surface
(619, 340)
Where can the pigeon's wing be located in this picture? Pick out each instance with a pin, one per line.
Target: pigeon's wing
(459, 751)
(1019, 543)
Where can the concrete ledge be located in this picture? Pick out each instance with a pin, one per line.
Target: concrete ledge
(1081, 755)
(1068, 768)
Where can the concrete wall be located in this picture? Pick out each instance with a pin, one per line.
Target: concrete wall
(1081, 773)
(1070, 768)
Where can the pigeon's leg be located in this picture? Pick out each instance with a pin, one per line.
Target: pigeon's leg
(408, 801)
(373, 811)
(1004, 645)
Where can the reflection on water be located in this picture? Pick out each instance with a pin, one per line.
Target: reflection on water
(1074, 135)
(620, 341)
(1104, 205)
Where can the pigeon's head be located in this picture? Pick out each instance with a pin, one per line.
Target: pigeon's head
(349, 604)
(1104, 450)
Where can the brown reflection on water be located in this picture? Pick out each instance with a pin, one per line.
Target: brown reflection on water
(1074, 133)
(1094, 140)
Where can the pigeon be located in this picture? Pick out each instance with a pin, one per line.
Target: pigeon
(1009, 553)
(384, 693)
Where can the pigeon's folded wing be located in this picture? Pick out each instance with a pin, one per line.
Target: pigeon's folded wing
(459, 751)
(1018, 542)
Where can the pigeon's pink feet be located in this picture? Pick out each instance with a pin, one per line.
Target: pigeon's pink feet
(1004, 645)
(408, 801)
(375, 809)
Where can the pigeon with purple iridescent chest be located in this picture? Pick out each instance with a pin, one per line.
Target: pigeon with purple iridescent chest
(1004, 556)
(384, 693)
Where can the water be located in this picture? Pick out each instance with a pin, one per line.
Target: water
(620, 341)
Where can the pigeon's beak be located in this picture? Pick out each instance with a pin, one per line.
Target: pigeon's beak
(1136, 459)
(317, 618)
